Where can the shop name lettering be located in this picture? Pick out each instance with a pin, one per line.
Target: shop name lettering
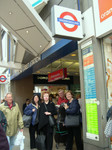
(108, 12)
(68, 21)
(53, 76)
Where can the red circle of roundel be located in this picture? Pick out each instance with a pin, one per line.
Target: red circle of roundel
(63, 25)
(2, 76)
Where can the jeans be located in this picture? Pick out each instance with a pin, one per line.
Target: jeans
(11, 140)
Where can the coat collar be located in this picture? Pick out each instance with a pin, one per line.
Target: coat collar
(5, 103)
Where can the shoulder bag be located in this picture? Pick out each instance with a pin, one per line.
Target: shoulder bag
(108, 128)
(72, 120)
(40, 142)
(27, 120)
(51, 119)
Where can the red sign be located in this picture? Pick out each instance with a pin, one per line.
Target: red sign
(57, 75)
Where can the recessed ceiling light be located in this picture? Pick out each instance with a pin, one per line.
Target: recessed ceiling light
(40, 45)
(76, 63)
(76, 73)
(27, 31)
(38, 71)
(10, 13)
(73, 55)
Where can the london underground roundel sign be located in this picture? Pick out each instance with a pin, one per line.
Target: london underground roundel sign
(3, 78)
(64, 22)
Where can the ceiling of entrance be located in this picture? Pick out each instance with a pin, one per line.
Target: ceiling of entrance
(25, 24)
(71, 62)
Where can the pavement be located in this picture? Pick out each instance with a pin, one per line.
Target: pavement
(27, 143)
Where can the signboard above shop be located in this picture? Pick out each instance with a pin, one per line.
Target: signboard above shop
(57, 75)
(103, 17)
(66, 23)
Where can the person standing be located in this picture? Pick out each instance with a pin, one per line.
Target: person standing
(3, 121)
(33, 110)
(44, 125)
(61, 98)
(73, 108)
(14, 119)
(3, 140)
(26, 104)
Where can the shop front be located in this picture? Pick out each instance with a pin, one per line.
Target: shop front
(95, 55)
(41, 85)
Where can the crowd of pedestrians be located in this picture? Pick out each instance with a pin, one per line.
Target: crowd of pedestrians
(40, 111)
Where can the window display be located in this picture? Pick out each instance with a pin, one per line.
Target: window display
(107, 43)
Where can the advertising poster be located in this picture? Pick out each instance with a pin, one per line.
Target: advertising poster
(90, 94)
(108, 63)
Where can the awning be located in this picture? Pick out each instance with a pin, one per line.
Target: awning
(57, 51)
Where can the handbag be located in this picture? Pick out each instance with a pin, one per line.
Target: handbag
(51, 119)
(72, 120)
(40, 142)
(27, 121)
(108, 128)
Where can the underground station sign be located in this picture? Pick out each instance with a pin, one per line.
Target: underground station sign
(66, 23)
(4, 78)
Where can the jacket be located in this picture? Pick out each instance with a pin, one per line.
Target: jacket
(109, 113)
(74, 108)
(44, 119)
(3, 121)
(28, 111)
(14, 118)
(3, 140)
(60, 101)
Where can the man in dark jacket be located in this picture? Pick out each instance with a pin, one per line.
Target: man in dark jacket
(26, 104)
(3, 140)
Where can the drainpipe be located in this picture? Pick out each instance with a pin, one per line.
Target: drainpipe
(78, 4)
(9, 50)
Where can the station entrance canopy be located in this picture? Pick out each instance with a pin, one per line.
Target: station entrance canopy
(26, 33)
(57, 51)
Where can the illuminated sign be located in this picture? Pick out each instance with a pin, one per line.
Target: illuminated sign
(57, 75)
(4, 78)
(103, 17)
(105, 9)
(66, 22)
(63, 22)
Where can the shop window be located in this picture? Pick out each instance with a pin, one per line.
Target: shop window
(107, 43)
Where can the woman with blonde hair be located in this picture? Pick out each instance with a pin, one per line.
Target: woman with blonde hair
(47, 108)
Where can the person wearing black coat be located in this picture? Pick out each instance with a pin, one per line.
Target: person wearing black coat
(73, 108)
(44, 126)
(3, 140)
